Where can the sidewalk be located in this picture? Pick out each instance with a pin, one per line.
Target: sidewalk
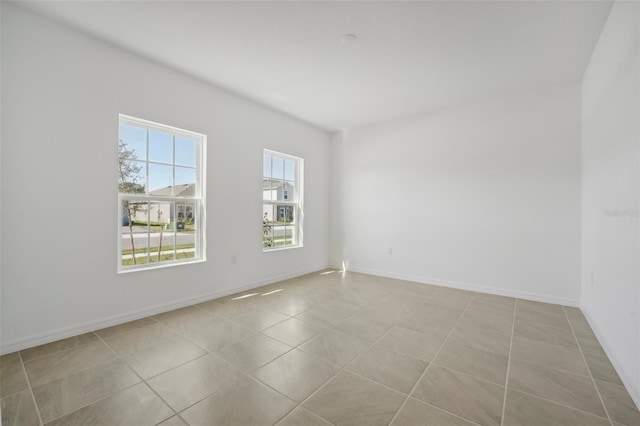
(154, 234)
(155, 253)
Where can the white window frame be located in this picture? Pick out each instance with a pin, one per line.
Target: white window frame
(198, 199)
(297, 203)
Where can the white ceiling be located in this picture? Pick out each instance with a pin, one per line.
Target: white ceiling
(411, 57)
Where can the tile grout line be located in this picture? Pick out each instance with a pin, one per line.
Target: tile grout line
(395, 390)
(560, 404)
(515, 390)
(77, 371)
(118, 357)
(178, 333)
(434, 357)
(506, 380)
(298, 344)
(55, 352)
(524, 392)
(408, 395)
(207, 353)
(551, 368)
(544, 325)
(33, 396)
(244, 375)
(575, 349)
(340, 369)
(343, 368)
(584, 359)
(136, 373)
(251, 377)
(228, 385)
(94, 402)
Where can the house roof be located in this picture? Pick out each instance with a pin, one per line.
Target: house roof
(184, 190)
(268, 183)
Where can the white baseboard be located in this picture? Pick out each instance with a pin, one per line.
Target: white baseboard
(469, 286)
(632, 388)
(62, 333)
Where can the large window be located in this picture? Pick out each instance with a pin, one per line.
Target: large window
(160, 195)
(281, 201)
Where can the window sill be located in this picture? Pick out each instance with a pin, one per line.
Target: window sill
(159, 266)
(269, 250)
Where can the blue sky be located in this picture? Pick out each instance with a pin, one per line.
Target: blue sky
(278, 168)
(161, 150)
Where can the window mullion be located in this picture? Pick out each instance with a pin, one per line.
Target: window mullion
(146, 166)
(173, 165)
(148, 232)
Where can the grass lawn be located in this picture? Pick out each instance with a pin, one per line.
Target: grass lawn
(153, 257)
(164, 248)
(277, 242)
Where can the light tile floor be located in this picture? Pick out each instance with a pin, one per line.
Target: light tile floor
(326, 348)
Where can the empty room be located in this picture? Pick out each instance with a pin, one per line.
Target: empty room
(320, 213)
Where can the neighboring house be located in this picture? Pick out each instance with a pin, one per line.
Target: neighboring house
(162, 212)
(273, 189)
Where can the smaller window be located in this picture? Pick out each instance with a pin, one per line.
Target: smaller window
(281, 201)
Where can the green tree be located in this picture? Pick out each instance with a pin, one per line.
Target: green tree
(267, 239)
(128, 175)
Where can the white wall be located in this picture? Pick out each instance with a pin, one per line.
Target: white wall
(62, 92)
(484, 196)
(610, 183)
